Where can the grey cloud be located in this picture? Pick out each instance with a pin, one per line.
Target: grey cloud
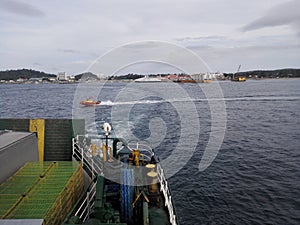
(37, 64)
(21, 8)
(205, 42)
(204, 38)
(283, 14)
(271, 47)
(72, 51)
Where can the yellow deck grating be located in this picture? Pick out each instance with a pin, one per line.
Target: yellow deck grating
(41, 190)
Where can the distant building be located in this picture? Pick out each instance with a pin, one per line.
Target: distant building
(207, 76)
(21, 80)
(51, 79)
(61, 76)
(35, 80)
(173, 77)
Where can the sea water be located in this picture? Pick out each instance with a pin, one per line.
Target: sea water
(253, 179)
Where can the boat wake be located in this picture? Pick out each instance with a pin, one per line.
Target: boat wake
(247, 98)
(134, 102)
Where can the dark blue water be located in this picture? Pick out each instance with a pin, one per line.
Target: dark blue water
(255, 177)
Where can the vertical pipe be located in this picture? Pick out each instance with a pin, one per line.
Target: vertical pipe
(145, 214)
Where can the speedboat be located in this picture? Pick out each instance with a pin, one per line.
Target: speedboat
(90, 102)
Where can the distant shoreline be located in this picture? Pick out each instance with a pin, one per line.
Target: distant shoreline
(128, 81)
(31, 76)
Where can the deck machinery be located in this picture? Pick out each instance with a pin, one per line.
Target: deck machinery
(127, 184)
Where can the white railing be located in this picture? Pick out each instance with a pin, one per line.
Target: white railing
(87, 204)
(166, 192)
(145, 149)
(81, 152)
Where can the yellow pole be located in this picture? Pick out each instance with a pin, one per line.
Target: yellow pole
(110, 155)
(94, 148)
(38, 126)
(104, 151)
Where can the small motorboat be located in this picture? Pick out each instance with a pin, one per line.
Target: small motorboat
(89, 102)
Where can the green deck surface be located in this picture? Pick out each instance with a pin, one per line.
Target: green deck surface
(34, 189)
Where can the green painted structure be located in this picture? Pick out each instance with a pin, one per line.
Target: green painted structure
(41, 190)
(57, 137)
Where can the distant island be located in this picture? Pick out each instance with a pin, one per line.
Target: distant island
(32, 76)
(25, 75)
(29, 73)
(261, 74)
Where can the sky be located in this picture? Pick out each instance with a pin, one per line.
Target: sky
(69, 35)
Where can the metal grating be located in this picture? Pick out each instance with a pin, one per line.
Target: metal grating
(45, 190)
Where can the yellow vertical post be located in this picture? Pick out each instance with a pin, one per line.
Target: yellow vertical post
(38, 126)
(110, 155)
(94, 148)
(104, 151)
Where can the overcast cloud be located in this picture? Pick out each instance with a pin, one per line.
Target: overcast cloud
(21, 8)
(284, 14)
(69, 35)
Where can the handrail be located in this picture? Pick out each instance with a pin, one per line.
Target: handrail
(166, 192)
(93, 190)
(80, 154)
